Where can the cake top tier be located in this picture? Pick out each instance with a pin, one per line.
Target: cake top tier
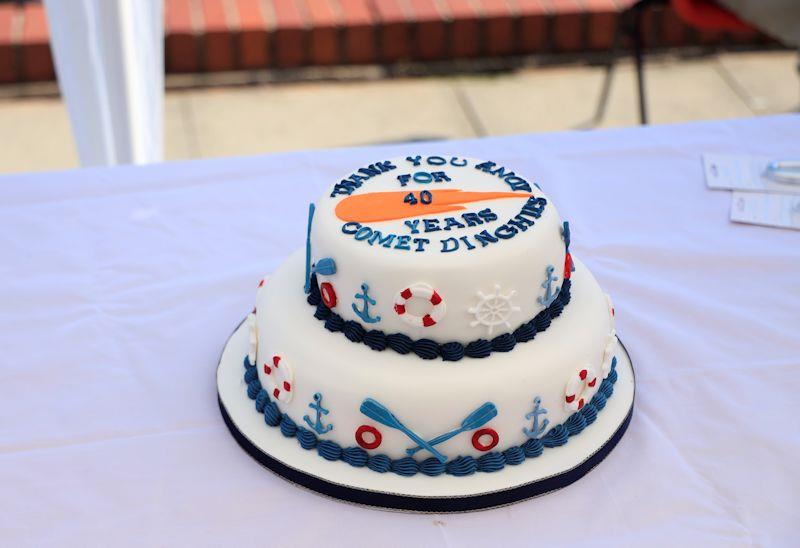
(445, 248)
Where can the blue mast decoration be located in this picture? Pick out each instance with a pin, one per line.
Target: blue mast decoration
(536, 430)
(307, 287)
(317, 424)
(364, 312)
(565, 235)
(549, 294)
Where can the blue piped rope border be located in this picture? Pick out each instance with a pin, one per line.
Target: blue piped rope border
(408, 466)
(428, 349)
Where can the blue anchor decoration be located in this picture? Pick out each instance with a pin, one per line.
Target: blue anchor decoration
(364, 312)
(317, 425)
(549, 294)
(536, 430)
(307, 286)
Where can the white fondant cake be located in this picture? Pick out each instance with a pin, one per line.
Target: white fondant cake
(434, 324)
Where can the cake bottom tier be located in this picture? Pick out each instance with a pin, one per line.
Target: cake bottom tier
(441, 428)
(554, 467)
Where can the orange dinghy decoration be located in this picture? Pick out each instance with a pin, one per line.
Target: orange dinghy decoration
(390, 206)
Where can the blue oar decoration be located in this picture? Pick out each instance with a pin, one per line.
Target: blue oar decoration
(473, 421)
(378, 412)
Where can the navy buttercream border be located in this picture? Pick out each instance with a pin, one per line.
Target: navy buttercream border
(428, 349)
(408, 466)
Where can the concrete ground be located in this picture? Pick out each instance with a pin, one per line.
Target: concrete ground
(244, 120)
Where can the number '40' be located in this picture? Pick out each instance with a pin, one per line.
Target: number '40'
(425, 197)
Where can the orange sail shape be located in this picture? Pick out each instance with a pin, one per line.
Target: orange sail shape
(389, 206)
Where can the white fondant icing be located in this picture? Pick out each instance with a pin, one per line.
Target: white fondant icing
(375, 237)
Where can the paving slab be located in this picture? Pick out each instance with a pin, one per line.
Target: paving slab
(243, 120)
(254, 120)
(770, 81)
(35, 136)
(558, 98)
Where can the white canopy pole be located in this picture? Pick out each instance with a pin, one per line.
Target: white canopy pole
(109, 57)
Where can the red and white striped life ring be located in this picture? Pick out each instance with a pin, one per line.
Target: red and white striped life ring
(280, 379)
(580, 388)
(423, 292)
(610, 306)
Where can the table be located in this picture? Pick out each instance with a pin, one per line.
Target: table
(119, 287)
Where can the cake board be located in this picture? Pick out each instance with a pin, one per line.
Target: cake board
(556, 468)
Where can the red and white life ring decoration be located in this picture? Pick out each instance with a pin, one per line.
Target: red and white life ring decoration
(608, 353)
(368, 437)
(580, 388)
(423, 292)
(280, 380)
(479, 437)
(567, 266)
(328, 294)
(610, 304)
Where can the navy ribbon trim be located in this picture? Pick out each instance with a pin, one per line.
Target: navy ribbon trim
(428, 349)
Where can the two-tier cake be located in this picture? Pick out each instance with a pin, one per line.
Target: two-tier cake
(433, 347)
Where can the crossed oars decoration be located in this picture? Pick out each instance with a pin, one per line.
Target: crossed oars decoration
(378, 412)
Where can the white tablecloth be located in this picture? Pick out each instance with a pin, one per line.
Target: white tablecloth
(119, 287)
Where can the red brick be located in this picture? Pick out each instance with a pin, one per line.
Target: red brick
(603, 19)
(394, 33)
(181, 47)
(290, 34)
(751, 36)
(359, 31)
(218, 37)
(464, 29)
(8, 55)
(253, 40)
(673, 29)
(567, 25)
(498, 27)
(324, 39)
(36, 63)
(709, 37)
(532, 26)
(430, 35)
(649, 30)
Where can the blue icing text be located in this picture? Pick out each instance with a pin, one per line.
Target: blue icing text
(349, 185)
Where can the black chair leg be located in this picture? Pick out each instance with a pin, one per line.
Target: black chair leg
(605, 90)
(630, 26)
(638, 56)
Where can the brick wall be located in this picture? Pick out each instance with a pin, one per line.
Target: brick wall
(222, 35)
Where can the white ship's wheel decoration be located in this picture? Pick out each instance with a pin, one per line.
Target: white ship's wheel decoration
(494, 309)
